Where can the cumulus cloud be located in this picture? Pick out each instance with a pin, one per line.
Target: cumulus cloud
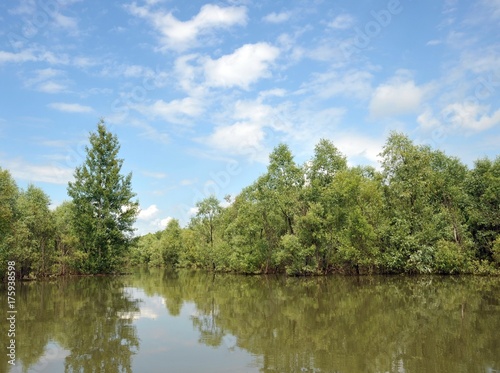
(358, 147)
(182, 35)
(350, 83)
(47, 80)
(277, 17)
(155, 175)
(245, 135)
(398, 96)
(23, 56)
(51, 87)
(239, 138)
(471, 116)
(173, 111)
(47, 173)
(427, 120)
(342, 22)
(148, 213)
(70, 108)
(243, 67)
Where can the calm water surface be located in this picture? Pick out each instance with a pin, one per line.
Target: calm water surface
(160, 321)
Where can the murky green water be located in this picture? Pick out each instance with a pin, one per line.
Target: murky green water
(158, 321)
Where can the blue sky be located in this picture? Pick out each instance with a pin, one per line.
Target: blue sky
(200, 92)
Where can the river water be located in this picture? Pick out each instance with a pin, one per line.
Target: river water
(182, 322)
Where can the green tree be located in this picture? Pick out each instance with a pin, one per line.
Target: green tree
(205, 224)
(209, 210)
(30, 242)
(316, 230)
(8, 197)
(483, 189)
(171, 242)
(66, 242)
(104, 209)
(425, 203)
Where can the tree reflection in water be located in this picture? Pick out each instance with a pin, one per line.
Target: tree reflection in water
(77, 320)
(343, 324)
(322, 324)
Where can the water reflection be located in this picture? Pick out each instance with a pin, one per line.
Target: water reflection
(343, 324)
(74, 325)
(198, 322)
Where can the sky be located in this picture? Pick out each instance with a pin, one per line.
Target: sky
(199, 93)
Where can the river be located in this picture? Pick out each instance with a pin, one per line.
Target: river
(182, 322)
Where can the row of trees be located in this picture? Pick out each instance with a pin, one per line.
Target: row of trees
(423, 212)
(90, 234)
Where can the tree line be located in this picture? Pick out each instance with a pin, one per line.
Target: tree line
(422, 212)
(90, 234)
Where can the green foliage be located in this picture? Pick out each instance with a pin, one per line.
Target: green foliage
(104, 211)
(68, 258)
(423, 212)
(36, 232)
(496, 251)
(171, 243)
(414, 216)
(8, 197)
(483, 187)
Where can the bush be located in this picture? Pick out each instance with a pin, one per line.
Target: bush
(449, 258)
(496, 251)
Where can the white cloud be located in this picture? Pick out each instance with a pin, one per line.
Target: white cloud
(276, 92)
(245, 134)
(358, 148)
(186, 182)
(342, 22)
(351, 83)
(134, 71)
(245, 66)
(23, 56)
(277, 17)
(254, 111)
(65, 22)
(179, 35)
(47, 80)
(187, 74)
(47, 173)
(154, 134)
(155, 175)
(51, 87)
(164, 222)
(242, 138)
(434, 42)
(174, 111)
(398, 96)
(148, 213)
(427, 120)
(470, 116)
(70, 108)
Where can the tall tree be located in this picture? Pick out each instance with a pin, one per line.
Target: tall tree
(104, 207)
(66, 241)
(37, 222)
(8, 195)
(483, 188)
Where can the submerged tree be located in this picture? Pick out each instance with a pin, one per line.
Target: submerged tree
(104, 210)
